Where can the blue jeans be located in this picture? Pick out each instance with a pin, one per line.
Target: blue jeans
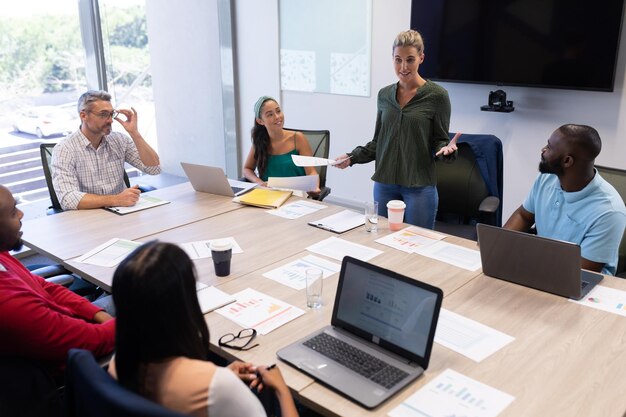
(421, 202)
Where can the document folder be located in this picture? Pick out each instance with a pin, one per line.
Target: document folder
(261, 197)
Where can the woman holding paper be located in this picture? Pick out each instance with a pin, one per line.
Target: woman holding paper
(411, 131)
(272, 146)
(162, 342)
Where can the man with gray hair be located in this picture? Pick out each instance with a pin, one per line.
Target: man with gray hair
(88, 165)
(570, 201)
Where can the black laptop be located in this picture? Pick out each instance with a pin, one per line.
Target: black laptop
(533, 261)
(380, 338)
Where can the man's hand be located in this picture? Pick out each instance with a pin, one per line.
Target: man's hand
(130, 124)
(128, 197)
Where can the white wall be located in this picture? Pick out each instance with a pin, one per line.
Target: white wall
(351, 119)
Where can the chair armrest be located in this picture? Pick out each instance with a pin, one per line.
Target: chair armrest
(324, 191)
(489, 205)
(50, 271)
(65, 280)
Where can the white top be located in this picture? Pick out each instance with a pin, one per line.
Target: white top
(228, 396)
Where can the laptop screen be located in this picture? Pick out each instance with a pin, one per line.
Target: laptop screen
(376, 303)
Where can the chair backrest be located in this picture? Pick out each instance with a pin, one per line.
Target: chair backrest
(91, 392)
(461, 187)
(320, 144)
(45, 149)
(617, 178)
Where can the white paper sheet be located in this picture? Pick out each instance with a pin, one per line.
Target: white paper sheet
(605, 299)
(336, 248)
(144, 202)
(410, 238)
(452, 254)
(259, 311)
(202, 248)
(312, 161)
(293, 273)
(296, 209)
(302, 183)
(468, 337)
(211, 298)
(109, 254)
(454, 394)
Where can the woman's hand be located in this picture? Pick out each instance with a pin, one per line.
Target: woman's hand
(450, 148)
(343, 161)
(244, 370)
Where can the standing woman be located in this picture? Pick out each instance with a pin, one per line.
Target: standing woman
(411, 131)
(162, 342)
(272, 146)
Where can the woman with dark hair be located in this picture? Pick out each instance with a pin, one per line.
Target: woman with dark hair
(272, 146)
(162, 341)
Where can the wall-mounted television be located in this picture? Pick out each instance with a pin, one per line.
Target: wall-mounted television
(570, 44)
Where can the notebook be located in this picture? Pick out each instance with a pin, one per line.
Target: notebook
(266, 198)
(208, 179)
(340, 222)
(537, 262)
(383, 318)
(144, 202)
(210, 298)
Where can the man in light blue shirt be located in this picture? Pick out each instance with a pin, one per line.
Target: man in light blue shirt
(570, 201)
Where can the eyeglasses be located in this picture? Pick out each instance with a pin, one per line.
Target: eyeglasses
(246, 336)
(105, 114)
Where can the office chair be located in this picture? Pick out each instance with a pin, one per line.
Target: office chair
(617, 178)
(320, 144)
(45, 149)
(91, 392)
(464, 195)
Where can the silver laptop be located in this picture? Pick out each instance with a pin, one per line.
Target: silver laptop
(208, 179)
(380, 338)
(537, 262)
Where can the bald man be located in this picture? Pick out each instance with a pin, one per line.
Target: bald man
(570, 201)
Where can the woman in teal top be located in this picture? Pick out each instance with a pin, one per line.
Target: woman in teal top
(272, 146)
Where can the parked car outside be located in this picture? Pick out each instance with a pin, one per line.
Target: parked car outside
(43, 121)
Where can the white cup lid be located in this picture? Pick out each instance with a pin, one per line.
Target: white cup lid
(220, 245)
(396, 204)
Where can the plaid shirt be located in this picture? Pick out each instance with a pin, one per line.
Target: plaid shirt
(78, 168)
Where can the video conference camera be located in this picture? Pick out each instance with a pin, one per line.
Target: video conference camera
(498, 102)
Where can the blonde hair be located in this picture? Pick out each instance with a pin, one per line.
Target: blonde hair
(409, 38)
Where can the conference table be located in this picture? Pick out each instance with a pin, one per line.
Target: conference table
(566, 359)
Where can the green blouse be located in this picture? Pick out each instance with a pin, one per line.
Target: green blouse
(406, 139)
(282, 166)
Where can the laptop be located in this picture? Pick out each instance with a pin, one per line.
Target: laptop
(380, 338)
(533, 261)
(208, 179)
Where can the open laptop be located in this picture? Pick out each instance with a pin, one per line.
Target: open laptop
(380, 338)
(537, 262)
(208, 179)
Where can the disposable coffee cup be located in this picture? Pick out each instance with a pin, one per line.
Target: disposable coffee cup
(221, 252)
(395, 214)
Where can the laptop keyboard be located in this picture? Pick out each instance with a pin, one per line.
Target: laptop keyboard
(355, 359)
(237, 189)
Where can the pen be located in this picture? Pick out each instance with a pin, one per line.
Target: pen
(268, 368)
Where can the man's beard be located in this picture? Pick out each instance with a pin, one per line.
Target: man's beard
(546, 167)
(18, 245)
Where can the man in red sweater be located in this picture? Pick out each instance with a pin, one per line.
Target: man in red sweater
(40, 320)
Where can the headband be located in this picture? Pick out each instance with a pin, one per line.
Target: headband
(259, 104)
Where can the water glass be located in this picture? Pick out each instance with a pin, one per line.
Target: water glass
(314, 280)
(371, 216)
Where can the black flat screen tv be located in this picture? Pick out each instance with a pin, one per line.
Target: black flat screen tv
(571, 44)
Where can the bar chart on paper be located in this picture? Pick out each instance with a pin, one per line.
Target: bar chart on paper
(453, 395)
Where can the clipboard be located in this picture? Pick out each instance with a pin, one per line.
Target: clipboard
(144, 202)
(340, 222)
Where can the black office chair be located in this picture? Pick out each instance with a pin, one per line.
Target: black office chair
(320, 144)
(91, 392)
(617, 178)
(464, 197)
(45, 150)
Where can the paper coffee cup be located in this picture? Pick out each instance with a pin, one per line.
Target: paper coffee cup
(395, 214)
(220, 245)
(221, 252)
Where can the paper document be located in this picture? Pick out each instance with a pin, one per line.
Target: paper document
(259, 311)
(453, 254)
(264, 197)
(411, 238)
(454, 394)
(109, 254)
(336, 248)
(211, 298)
(312, 161)
(144, 202)
(293, 274)
(468, 337)
(201, 248)
(340, 222)
(296, 209)
(606, 299)
(302, 183)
